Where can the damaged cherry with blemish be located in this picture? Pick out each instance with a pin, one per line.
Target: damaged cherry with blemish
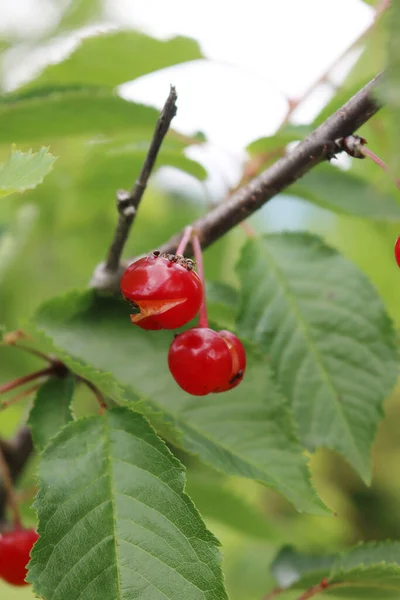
(204, 361)
(165, 288)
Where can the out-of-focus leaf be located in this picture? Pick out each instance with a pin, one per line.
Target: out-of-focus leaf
(328, 337)
(65, 112)
(222, 504)
(112, 58)
(222, 303)
(114, 521)
(345, 193)
(116, 163)
(290, 133)
(247, 432)
(78, 13)
(24, 170)
(13, 240)
(51, 410)
(295, 569)
(369, 571)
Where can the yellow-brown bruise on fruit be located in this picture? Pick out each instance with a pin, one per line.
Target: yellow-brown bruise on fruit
(149, 308)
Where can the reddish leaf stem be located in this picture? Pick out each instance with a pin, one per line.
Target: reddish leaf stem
(378, 161)
(6, 403)
(98, 395)
(32, 351)
(10, 491)
(313, 591)
(185, 240)
(198, 256)
(11, 385)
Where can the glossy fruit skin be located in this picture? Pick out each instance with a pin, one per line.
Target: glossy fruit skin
(238, 356)
(167, 291)
(15, 548)
(203, 361)
(397, 251)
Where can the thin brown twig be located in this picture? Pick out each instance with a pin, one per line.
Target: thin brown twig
(314, 590)
(8, 486)
(31, 351)
(97, 393)
(6, 403)
(11, 385)
(128, 202)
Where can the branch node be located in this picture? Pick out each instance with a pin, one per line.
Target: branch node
(105, 280)
(123, 200)
(352, 145)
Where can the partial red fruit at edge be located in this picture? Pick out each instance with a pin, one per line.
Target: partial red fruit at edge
(203, 361)
(15, 548)
(168, 294)
(238, 355)
(397, 251)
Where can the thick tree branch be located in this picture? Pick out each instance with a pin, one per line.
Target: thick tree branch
(318, 146)
(128, 202)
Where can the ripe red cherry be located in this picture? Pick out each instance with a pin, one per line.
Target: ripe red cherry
(203, 361)
(166, 290)
(15, 548)
(397, 251)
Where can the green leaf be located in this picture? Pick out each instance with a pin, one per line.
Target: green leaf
(51, 410)
(247, 432)
(328, 337)
(55, 113)
(114, 521)
(222, 303)
(24, 170)
(13, 240)
(294, 569)
(110, 59)
(290, 133)
(345, 193)
(78, 13)
(370, 570)
(107, 168)
(223, 505)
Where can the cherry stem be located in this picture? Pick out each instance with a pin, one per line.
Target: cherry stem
(198, 255)
(11, 385)
(185, 240)
(6, 403)
(10, 491)
(378, 161)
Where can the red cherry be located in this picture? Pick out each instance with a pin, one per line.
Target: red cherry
(203, 361)
(168, 292)
(397, 251)
(238, 356)
(15, 548)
